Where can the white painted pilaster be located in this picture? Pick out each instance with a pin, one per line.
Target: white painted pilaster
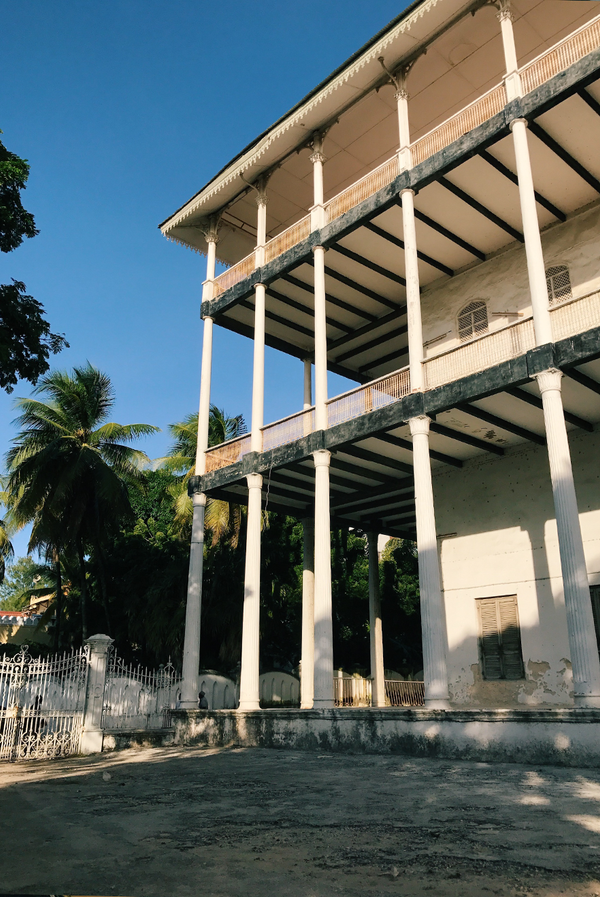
(580, 622)
(433, 620)
(413, 298)
(322, 603)
(375, 627)
(249, 674)
(307, 677)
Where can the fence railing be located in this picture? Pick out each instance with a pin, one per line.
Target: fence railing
(562, 55)
(351, 691)
(227, 453)
(136, 697)
(362, 189)
(288, 429)
(377, 394)
(404, 693)
(233, 275)
(287, 238)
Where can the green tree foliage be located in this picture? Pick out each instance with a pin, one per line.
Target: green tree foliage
(69, 469)
(24, 579)
(25, 338)
(399, 582)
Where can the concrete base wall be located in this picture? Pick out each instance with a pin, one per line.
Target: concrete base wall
(560, 737)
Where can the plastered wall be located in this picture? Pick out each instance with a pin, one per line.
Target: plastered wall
(495, 519)
(502, 281)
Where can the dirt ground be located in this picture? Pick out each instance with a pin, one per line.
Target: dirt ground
(221, 823)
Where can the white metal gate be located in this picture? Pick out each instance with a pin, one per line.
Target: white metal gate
(136, 697)
(42, 703)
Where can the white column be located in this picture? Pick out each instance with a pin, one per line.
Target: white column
(404, 155)
(261, 227)
(258, 377)
(249, 674)
(413, 298)
(531, 231)
(322, 602)
(512, 81)
(317, 212)
(580, 622)
(307, 677)
(91, 739)
(433, 618)
(307, 384)
(320, 340)
(375, 627)
(193, 608)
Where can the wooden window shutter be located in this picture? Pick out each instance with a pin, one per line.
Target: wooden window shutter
(500, 638)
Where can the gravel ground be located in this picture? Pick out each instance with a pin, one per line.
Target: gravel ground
(222, 823)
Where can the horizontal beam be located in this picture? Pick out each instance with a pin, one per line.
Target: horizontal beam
(357, 471)
(445, 232)
(363, 454)
(483, 210)
(466, 438)
(396, 241)
(306, 310)
(367, 263)
(285, 322)
(590, 100)
(402, 493)
(381, 361)
(566, 157)
(496, 421)
(333, 300)
(511, 176)
(366, 291)
(390, 318)
(378, 341)
(583, 379)
(536, 401)
(408, 446)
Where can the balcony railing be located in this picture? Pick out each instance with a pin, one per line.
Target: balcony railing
(569, 318)
(558, 58)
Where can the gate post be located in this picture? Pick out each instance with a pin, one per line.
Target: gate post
(91, 739)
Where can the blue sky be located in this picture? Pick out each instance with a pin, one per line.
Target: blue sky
(124, 109)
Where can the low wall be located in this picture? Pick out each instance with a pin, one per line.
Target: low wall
(560, 737)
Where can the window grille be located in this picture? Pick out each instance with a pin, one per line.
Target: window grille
(472, 321)
(559, 284)
(500, 638)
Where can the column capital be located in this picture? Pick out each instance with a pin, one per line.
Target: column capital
(317, 156)
(419, 426)
(261, 198)
(504, 10)
(406, 190)
(324, 248)
(322, 458)
(401, 94)
(516, 121)
(549, 380)
(254, 481)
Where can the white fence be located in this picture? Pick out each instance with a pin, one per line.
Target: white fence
(136, 697)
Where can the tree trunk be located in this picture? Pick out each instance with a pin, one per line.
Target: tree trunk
(59, 598)
(83, 590)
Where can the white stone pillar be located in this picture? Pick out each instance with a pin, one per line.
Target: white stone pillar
(317, 212)
(580, 622)
(531, 231)
(433, 618)
(404, 155)
(249, 674)
(320, 340)
(258, 377)
(512, 81)
(307, 677)
(375, 627)
(322, 602)
(413, 298)
(193, 608)
(307, 384)
(261, 227)
(91, 739)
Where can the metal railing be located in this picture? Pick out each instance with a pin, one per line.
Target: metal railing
(233, 275)
(362, 189)
(288, 238)
(575, 316)
(288, 429)
(136, 697)
(404, 693)
(227, 453)
(562, 55)
(351, 691)
(469, 118)
(363, 399)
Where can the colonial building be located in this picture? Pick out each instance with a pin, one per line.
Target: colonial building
(426, 222)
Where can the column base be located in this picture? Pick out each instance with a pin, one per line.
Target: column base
(437, 704)
(323, 705)
(188, 705)
(379, 704)
(91, 742)
(306, 705)
(249, 705)
(587, 701)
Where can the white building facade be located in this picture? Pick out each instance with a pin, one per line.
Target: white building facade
(427, 223)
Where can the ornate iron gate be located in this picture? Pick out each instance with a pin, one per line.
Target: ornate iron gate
(136, 697)
(42, 703)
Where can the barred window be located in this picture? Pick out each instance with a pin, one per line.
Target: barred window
(472, 320)
(559, 284)
(500, 638)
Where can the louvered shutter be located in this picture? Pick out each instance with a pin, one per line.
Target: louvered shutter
(490, 641)
(510, 639)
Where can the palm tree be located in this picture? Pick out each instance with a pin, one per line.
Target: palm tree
(69, 468)
(222, 518)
